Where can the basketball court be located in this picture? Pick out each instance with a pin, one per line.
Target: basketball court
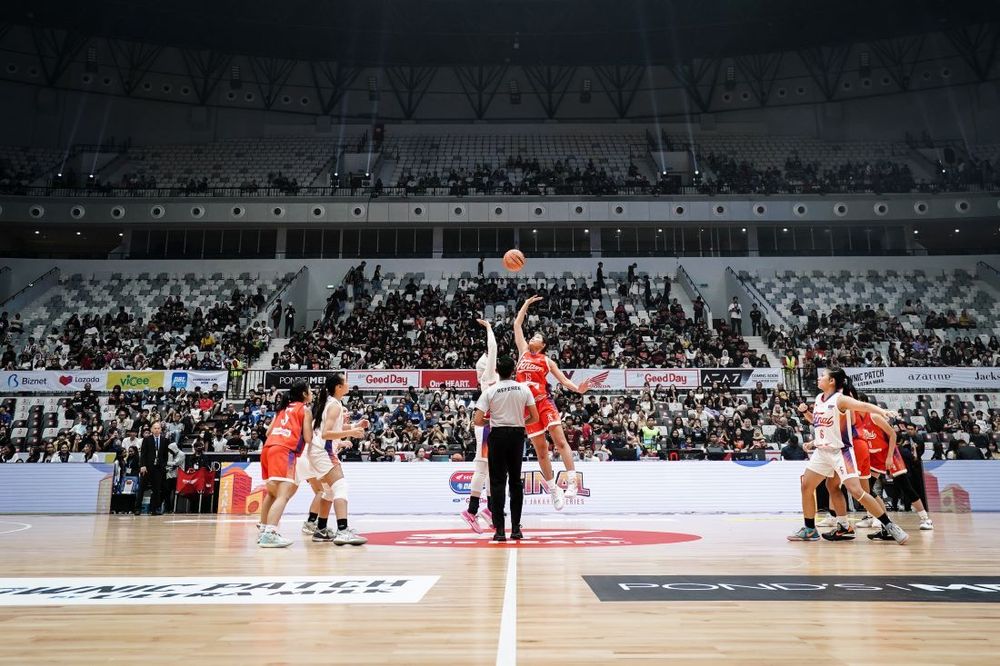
(425, 590)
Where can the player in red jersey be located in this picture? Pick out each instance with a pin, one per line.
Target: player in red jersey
(286, 439)
(533, 368)
(889, 467)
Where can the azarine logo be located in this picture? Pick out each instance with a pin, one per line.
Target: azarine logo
(930, 377)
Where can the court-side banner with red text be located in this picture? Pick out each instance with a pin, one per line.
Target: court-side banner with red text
(599, 379)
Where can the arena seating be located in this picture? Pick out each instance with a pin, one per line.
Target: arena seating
(143, 300)
(22, 165)
(883, 318)
(940, 292)
(767, 151)
(442, 154)
(228, 163)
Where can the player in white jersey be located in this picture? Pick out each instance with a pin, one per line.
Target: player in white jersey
(833, 454)
(320, 466)
(486, 373)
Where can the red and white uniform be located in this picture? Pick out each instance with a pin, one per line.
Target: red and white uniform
(865, 431)
(878, 450)
(834, 453)
(321, 454)
(533, 371)
(284, 445)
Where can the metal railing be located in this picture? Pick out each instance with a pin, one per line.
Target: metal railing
(45, 279)
(757, 297)
(689, 286)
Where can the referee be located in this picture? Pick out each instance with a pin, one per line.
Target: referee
(506, 402)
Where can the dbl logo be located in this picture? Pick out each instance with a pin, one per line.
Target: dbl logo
(460, 482)
(533, 483)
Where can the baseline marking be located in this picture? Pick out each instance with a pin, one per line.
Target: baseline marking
(507, 643)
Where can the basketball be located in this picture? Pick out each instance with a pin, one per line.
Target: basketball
(513, 260)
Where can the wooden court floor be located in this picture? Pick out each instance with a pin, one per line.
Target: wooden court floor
(527, 604)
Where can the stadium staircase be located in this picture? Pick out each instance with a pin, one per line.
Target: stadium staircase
(263, 362)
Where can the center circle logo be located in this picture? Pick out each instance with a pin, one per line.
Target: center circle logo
(545, 538)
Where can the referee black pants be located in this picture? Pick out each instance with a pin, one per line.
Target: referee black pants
(506, 447)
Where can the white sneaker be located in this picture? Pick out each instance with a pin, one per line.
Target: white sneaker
(868, 522)
(558, 496)
(309, 527)
(927, 524)
(829, 521)
(349, 537)
(273, 540)
(572, 485)
(897, 533)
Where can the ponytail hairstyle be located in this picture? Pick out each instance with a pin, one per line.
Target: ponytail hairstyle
(319, 404)
(297, 393)
(840, 380)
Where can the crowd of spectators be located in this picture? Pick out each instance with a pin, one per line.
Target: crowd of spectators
(527, 176)
(729, 176)
(174, 337)
(865, 336)
(425, 327)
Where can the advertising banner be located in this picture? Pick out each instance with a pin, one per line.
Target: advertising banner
(682, 378)
(741, 377)
(192, 379)
(58, 381)
(52, 381)
(984, 379)
(612, 487)
(952, 486)
(135, 380)
(283, 379)
(601, 379)
(383, 380)
(449, 379)
(56, 488)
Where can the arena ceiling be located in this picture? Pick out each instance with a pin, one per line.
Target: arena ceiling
(444, 32)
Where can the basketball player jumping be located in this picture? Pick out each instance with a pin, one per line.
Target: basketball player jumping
(486, 373)
(833, 454)
(321, 467)
(533, 368)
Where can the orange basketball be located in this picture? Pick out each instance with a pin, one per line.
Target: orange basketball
(513, 260)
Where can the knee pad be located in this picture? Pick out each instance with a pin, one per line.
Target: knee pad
(339, 489)
(481, 476)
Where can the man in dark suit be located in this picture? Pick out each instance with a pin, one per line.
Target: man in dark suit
(153, 461)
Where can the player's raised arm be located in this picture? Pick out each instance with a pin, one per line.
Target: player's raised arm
(489, 376)
(582, 387)
(845, 403)
(519, 340)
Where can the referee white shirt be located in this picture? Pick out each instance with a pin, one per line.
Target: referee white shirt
(506, 402)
